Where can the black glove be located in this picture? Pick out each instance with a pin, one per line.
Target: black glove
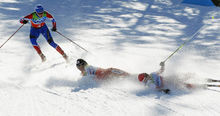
(167, 91)
(54, 29)
(25, 21)
(162, 63)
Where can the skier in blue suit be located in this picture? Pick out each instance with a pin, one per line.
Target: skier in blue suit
(38, 26)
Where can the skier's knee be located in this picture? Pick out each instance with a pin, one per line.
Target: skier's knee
(32, 36)
(53, 44)
(33, 41)
(50, 40)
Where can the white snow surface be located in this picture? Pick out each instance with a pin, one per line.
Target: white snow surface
(132, 35)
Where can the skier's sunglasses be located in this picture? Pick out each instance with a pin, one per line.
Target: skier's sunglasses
(40, 13)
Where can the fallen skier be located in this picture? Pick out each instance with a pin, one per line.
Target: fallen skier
(154, 79)
(99, 73)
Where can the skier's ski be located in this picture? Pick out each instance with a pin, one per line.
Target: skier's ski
(210, 85)
(212, 80)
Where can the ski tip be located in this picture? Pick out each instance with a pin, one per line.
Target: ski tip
(209, 85)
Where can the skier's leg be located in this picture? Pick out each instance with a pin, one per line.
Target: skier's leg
(189, 86)
(47, 35)
(34, 34)
(110, 72)
(212, 80)
(117, 72)
(62, 53)
(37, 48)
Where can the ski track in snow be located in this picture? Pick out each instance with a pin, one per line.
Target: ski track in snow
(133, 35)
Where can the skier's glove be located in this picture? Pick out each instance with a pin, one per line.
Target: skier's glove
(162, 63)
(167, 91)
(54, 29)
(24, 21)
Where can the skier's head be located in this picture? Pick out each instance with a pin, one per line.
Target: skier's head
(143, 77)
(80, 62)
(39, 9)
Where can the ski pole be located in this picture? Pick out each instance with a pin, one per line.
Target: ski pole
(11, 36)
(192, 37)
(71, 41)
